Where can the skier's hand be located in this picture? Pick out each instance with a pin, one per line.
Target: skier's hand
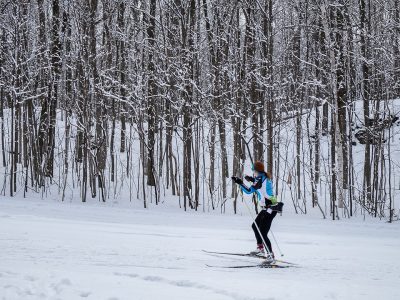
(237, 180)
(249, 178)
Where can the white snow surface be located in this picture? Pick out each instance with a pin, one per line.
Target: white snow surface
(53, 250)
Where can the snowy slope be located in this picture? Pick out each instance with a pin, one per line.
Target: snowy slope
(75, 251)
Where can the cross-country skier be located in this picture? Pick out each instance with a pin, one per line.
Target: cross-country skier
(263, 187)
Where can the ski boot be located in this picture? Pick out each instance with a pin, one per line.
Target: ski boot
(259, 251)
(270, 258)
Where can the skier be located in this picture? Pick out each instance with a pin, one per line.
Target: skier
(263, 187)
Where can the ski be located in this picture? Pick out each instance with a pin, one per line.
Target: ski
(261, 266)
(247, 255)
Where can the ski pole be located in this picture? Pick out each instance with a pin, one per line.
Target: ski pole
(276, 243)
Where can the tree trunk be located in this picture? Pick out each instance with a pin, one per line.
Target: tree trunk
(151, 93)
(365, 96)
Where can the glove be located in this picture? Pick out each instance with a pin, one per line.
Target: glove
(249, 178)
(237, 180)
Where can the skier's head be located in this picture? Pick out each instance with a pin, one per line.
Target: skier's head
(259, 168)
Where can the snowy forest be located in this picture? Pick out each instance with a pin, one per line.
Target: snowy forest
(161, 101)
(199, 149)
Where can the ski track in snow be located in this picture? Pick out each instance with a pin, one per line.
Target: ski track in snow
(189, 284)
(73, 251)
(33, 288)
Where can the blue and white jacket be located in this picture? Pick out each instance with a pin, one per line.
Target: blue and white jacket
(262, 186)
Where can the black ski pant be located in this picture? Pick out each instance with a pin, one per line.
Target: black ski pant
(264, 221)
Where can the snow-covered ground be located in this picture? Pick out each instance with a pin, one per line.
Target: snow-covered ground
(52, 250)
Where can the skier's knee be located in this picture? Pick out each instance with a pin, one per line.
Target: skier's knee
(254, 226)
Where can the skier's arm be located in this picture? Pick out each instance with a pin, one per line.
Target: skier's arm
(246, 189)
(249, 178)
(252, 189)
(258, 184)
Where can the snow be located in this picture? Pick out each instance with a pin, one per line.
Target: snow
(54, 250)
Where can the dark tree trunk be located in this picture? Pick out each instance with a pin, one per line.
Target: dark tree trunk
(151, 94)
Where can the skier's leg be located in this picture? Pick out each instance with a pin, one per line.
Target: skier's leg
(266, 227)
(256, 233)
(268, 242)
